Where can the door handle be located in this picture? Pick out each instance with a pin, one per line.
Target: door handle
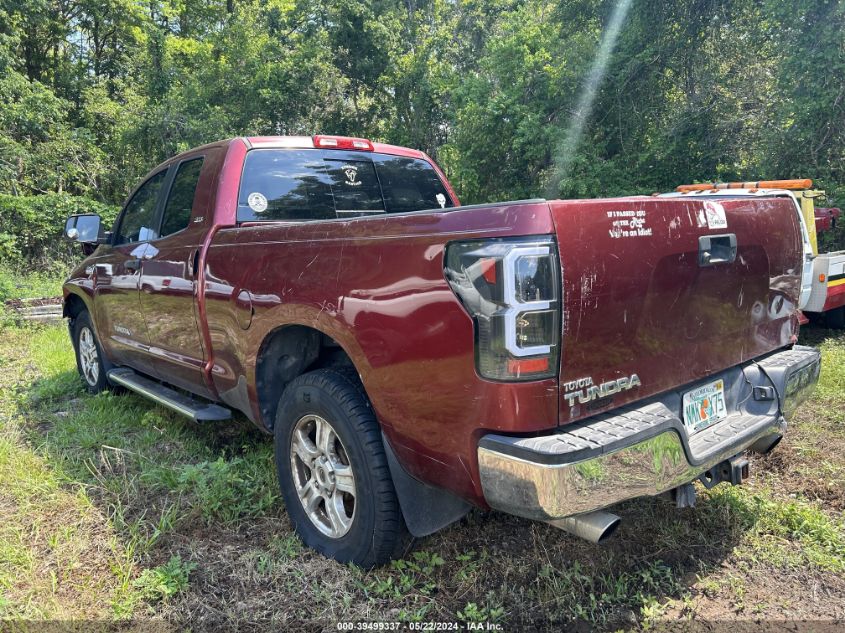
(716, 249)
(132, 264)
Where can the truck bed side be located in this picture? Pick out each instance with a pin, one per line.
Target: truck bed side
(376, 287)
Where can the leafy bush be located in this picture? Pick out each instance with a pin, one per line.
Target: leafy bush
(229, 490)
(32, 228)
(164, 581)
(833, 240)
(17, 284)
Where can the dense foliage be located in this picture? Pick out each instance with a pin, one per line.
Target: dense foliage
(32, 227)
(516, 98)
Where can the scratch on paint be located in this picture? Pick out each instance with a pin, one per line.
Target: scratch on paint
(307, 266)
(466, 470)
(324, 307)
(340, 262)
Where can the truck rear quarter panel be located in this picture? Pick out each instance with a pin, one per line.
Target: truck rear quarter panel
(376, 286)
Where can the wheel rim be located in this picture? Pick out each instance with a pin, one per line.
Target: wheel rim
(88, 359)
(323, 476)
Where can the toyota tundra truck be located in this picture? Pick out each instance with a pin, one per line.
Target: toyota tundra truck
(414, 358)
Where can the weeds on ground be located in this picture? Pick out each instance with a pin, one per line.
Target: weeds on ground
(15, 284)
(164, 581)
(142, 512)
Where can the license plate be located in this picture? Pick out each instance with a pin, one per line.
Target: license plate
(704, 406)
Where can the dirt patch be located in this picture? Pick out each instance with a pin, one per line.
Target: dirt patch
(763, 594)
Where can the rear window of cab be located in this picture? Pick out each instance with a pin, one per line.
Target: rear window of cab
(312, 184)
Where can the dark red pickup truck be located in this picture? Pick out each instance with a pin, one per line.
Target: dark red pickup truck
(414, 358)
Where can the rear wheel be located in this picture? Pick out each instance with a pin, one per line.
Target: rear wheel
(333, 472)
(89, 358)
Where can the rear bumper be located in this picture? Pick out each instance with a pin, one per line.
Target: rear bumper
(643, 450)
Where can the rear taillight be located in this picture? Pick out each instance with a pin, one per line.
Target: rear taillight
(511, 289)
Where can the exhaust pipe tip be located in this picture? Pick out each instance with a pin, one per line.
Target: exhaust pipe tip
(610, 529)
(595, 527)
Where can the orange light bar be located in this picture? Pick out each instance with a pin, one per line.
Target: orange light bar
(799, 183)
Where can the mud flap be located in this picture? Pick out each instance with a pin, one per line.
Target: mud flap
(426, 509)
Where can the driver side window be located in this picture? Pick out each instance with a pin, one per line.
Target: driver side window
(138, 221)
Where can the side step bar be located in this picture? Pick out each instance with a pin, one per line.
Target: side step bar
(197, 410)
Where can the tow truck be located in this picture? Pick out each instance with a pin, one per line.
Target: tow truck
(823, 290)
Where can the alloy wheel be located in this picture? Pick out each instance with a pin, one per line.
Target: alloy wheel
(88, 358)
(323, 476)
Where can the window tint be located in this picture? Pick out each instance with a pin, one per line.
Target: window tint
(137, 222)
(355, 187)
(177, 211)
(410, 184)
(307, 184)
(285, 185)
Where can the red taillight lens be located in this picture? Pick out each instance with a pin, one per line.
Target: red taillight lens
(529, 366)
(343, 142)
(511, 290)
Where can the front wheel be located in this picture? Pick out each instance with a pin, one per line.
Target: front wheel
(89, 357)
(333, 472)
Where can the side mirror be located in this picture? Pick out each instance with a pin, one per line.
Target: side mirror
(84, 228)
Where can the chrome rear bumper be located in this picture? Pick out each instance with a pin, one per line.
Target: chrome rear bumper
(643, 450)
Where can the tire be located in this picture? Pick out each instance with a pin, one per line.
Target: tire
(325, 431)
(836, 318)
(89, 355)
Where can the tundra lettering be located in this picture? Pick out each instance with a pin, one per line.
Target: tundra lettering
(413, 358)
(603, 390)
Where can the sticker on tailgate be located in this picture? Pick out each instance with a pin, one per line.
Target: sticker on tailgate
(628, 223)
(715, 215)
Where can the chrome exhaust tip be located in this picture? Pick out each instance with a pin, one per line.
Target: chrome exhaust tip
(595, 527)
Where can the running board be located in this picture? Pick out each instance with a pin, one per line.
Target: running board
(197, 410)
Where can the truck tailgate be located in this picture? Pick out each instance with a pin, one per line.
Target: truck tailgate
(653, 298)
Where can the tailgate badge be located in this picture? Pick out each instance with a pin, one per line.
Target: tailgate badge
(585, 390)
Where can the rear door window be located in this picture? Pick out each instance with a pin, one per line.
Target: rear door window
(295, 185)
(180, 201)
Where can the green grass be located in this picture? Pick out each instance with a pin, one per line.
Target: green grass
(15, 284)
(788, 533)
(164, 581)
(100, 455)
(113, 508)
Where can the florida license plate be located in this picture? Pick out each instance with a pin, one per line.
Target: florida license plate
(704, 406)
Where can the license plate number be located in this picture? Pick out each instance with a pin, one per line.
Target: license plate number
(704, 406)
